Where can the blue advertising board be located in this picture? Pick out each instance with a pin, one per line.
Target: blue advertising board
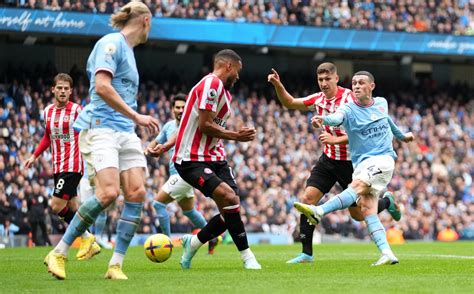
(221, 32)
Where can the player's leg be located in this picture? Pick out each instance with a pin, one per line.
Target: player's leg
(133, 183)
(183, 193)
(320, 181)
(133, 166)
(311, 196)
(216, 179)
(186, 202)
(162, 199)
(371, 177)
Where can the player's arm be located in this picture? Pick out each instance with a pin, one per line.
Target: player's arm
(42, 146)
(327, 138)
(285, 98)
(104, 88)
(209, 127)
(334, 119)
(408, 137)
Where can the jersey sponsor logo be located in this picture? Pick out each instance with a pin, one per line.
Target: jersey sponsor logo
(220, 121)
(62, 137)
(375, 131)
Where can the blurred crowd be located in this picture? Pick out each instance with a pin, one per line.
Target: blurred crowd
(432, 181)
(438, 16)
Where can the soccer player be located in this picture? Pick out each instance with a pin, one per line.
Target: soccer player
(115, 150)
(334, 165)
(67, 161)
(175, 189)
(370, 130)
(200, 157)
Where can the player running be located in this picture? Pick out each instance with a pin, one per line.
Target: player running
(370, 130)
(67, 161)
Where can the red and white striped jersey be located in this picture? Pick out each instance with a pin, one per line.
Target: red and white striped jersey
(322, 106)
(191, 143)
(62, 138)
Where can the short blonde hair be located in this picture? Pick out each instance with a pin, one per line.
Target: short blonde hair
(133, 9)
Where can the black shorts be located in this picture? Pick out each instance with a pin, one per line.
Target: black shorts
(328, 171)
(206, 176)
(65, 185)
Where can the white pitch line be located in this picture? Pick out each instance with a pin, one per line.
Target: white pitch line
(441, 255)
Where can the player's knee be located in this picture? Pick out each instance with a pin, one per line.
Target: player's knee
(137, 194)
(230, 198)
(108, 195)
(308, 199)
(56, 207)
(360, 187)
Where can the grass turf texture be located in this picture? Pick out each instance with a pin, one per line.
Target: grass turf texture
(338, 268)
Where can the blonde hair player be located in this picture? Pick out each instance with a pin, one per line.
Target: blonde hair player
(109, 140)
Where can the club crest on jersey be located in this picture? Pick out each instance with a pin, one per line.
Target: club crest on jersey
(110, 49)
(373, 116)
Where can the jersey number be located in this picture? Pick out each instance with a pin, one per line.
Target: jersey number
(60, 184)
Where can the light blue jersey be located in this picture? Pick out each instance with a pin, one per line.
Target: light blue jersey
(165, 134)
(369, 128)
(84, 119)
(113, 54)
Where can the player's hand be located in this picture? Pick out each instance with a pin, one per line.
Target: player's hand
(409, 137)
(156, 151)
(274, 78)
(148, 122)
(246, 134)
(327, 138)
(317, 121)
(30, 161)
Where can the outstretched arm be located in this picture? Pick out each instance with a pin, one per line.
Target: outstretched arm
(408, 137)
(285, 98)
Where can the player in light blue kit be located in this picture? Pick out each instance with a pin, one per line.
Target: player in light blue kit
(370, 131)
(108, 137)
(175, 189)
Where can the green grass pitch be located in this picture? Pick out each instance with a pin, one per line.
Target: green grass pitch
(338, 268)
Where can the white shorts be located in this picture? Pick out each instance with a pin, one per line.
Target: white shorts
(86, 191)
(376, 171)
(178, 189)
(103, 148)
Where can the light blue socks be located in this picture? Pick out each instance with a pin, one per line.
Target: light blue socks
(343, 200)
(377, 232)
(163, 217)
(84, 218)
(127, 225)
(196, 218)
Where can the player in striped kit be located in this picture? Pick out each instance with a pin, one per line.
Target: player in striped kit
(200, 157)
(67, 161)
(334, 165)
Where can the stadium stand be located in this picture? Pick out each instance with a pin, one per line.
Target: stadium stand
(443, 17)
(433, 179)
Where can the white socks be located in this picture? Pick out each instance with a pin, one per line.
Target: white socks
(117, 258)
(86, 234)
(62, 248)
(195, 243)
(246, 254)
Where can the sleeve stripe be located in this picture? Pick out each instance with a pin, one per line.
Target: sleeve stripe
(104, 69)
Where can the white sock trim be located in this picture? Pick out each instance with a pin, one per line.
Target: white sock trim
(117, 258)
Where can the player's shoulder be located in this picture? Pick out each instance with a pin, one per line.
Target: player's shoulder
(47, 108)
(346, 94)
(110, 42)
(169, 124)
(380, 100)
(213, 80)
